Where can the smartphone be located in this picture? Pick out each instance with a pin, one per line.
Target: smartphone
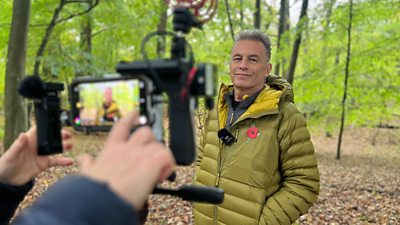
(98, 102)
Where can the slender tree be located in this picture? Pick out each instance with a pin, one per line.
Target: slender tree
(346, 78)
(228, 11)
(328, 8)
(241, 13)
(281, 30)
(16, 119)
(162, 27)
(257, 15)
(297, 42)
(86, 35)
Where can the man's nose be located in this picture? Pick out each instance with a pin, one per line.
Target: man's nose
(243, 65)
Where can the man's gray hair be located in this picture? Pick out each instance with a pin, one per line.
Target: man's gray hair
(256, 35)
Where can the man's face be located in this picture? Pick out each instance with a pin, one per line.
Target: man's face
(108, 96)
(249, 66)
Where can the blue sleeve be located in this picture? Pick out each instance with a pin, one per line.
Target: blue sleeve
(10, 197)
(78, 200)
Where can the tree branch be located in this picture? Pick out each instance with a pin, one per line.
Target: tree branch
(54, 21)
(80, 13)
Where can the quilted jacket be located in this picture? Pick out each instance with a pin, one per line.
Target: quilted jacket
(270, 174)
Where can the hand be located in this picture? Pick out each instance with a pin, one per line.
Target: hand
(130, 164)
(21, 163)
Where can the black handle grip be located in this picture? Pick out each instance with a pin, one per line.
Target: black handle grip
(195, 193)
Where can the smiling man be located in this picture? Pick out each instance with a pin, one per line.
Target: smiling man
(256, 145)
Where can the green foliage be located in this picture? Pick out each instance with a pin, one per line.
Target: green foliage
(374, 82)
(5, 24)
(118, 27)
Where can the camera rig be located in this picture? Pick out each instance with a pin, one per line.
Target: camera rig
(177, 76)
(182, 82)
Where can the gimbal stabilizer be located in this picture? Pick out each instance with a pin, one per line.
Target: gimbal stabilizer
(182, 82)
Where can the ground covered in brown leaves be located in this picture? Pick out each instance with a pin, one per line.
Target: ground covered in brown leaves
(361, 188)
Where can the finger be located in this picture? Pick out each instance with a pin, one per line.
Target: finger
(167, 164)
(142, 136)
(67, 145)
(121, 130)
(19, 144)
(32, 130)
(66, 135)
(85, 161)
(60, 161)
(161, 160)
(32, 138)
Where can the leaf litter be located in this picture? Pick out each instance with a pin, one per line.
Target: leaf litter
(363, 187)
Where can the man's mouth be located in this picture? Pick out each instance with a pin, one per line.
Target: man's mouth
(242, 74)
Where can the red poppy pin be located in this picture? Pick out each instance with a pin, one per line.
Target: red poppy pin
(252, 132)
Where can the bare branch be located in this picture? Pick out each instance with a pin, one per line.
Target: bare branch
(80, 13)
(103, 30)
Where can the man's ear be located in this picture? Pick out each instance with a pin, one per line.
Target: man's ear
(268, 69)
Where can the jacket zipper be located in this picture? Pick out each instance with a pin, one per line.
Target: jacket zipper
(231, 120)
(218, 171)
(221, 146)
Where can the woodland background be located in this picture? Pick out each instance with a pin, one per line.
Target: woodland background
(342, 58)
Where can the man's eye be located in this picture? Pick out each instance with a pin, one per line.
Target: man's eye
(253, 60)
(236, 59)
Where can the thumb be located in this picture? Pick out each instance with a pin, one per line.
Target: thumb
(84, 162)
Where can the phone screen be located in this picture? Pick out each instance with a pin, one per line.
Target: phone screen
(102, 103)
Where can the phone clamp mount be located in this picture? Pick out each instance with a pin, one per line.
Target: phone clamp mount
(183, 82)
(46, 101)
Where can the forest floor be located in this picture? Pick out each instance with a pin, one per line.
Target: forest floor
(363, 187)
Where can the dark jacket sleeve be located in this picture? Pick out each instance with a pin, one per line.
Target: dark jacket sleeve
(10, 197)
(78, 200)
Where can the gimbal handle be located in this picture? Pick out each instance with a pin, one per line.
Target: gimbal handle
(195, 193)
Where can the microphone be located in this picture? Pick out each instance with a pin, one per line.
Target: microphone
(226, 136)
(195, 193)
(31, 87)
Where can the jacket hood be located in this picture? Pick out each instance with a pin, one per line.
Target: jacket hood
(281, 84)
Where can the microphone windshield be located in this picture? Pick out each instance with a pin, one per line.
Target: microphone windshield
(31, 87)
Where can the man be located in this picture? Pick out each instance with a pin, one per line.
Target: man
(256, 145)
(110, 187)
(109, 111)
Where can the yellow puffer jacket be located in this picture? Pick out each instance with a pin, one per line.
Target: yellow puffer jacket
(112, 112)
(270, 178)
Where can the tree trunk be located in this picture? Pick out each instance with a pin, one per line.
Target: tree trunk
(324, 54)
(281, 30)
(241, 14)
(270, 12)
(86, 44)
(297, 42)
(162, 27)
(257, 15)
(16, 119)
(286, 38)
(345, 80)
(228, 11)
